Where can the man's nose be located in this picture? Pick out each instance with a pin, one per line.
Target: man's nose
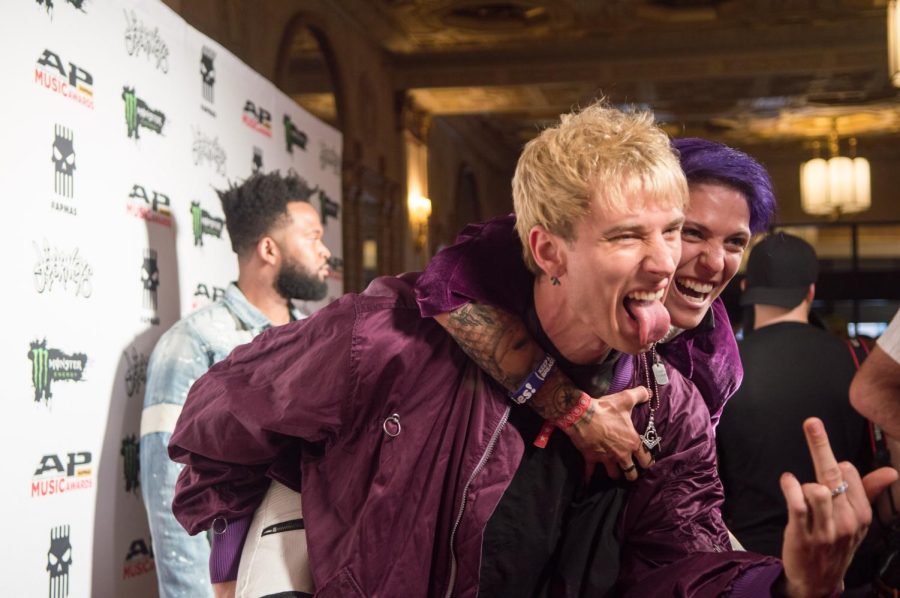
(662, 256)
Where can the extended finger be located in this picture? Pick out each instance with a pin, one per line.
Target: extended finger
(827, 471)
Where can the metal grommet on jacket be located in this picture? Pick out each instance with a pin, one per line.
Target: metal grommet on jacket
(219, 525)
(391, 425)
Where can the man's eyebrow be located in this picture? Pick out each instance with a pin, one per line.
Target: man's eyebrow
(624, 228)
(639, 227)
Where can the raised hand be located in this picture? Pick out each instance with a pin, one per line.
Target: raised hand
(827, 519)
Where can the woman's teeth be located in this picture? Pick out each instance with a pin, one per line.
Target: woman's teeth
(694, 290)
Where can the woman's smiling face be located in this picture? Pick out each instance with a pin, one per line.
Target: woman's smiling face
(715, 234)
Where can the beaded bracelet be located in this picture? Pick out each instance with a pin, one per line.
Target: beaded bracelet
(534, 381)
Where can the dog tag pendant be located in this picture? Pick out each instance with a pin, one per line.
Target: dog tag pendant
(659, 373)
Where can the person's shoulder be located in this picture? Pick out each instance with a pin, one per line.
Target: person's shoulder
(386, 292)
(196, 324)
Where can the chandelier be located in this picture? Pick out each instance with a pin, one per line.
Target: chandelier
(838, 185)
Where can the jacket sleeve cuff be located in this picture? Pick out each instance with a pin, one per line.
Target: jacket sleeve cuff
(756, 581)
(225, 553)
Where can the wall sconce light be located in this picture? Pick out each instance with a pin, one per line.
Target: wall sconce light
(838, 185)
(893, 23)
(419, 212)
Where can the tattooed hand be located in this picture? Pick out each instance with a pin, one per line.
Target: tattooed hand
(606, 435)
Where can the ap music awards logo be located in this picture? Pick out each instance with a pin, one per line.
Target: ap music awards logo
(293, 135)
(58, 474)
(258, 119)
(208, 149)
(149, 205)
(131, 455)
(68, 270)
(59, 561)
(72, 81)
(139, 559)
(203, 223)
(141, 39)
(205, 294)
(138, 115)
(52, 365)
(208, 79)
(135, 371)
(150, 284)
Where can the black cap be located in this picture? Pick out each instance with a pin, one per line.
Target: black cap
(779, 271)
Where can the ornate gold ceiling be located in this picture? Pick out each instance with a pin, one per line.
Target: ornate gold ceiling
(738, 70)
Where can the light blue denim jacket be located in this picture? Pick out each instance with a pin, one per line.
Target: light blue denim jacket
(182, 355)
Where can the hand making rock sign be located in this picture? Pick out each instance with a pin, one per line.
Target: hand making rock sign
(827, 519)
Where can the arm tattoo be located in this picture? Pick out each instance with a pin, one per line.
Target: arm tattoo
(556, 398)
(495, 340)
(499, 344)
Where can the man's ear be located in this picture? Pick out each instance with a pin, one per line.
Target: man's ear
(268, 251)
(811, 293)
(743, 284)
(549, 251)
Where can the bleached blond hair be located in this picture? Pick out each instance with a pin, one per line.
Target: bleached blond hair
(621, 158)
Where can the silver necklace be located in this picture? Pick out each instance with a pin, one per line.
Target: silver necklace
(651, 438)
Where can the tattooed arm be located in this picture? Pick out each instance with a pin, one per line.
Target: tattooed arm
(500, 344)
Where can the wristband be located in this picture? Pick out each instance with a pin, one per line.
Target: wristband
(534, 381)
(563, 422)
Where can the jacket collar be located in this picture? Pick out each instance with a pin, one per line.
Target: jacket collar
(248, 314)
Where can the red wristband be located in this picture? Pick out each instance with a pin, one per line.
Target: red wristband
(563, 422)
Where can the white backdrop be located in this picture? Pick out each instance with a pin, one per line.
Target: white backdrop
(112, 144)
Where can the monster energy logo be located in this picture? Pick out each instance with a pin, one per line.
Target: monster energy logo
(327, 208)
(48, 365)
(138, 114)
(132, 462)
(293, 135)
(203, 223)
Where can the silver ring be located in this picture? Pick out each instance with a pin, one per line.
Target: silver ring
(841, 489)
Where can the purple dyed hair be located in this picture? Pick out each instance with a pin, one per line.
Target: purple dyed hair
(705, 161)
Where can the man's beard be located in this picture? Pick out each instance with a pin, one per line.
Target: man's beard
(294, 282)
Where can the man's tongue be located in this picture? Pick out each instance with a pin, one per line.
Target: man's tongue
(652, 318)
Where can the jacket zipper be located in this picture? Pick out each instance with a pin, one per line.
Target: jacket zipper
(462, 504)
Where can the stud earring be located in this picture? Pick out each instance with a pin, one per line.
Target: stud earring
(554, 281)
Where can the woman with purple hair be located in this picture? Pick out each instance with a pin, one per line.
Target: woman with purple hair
(731, 199)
